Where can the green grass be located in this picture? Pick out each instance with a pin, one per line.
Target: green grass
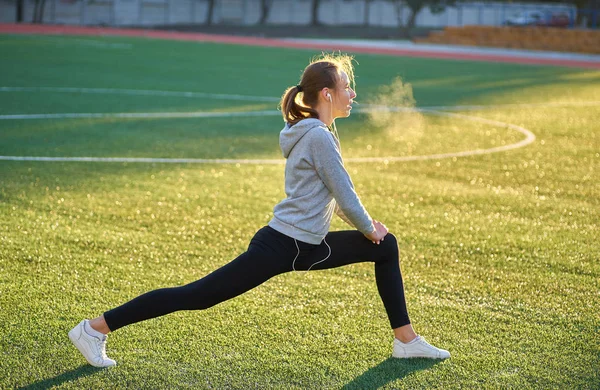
(499, 252)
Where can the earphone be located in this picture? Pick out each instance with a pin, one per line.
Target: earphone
(298, 254)
(324, 240)
(334, 131)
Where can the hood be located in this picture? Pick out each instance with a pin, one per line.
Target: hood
(289, 136)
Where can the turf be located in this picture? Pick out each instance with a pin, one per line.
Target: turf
(499, 252)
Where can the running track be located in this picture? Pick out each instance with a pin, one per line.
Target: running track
(269, 42)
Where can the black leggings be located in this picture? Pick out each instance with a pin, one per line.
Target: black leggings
(272, 253)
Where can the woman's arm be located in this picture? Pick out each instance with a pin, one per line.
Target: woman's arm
(341, 214)
(376, 236)
(327, 161)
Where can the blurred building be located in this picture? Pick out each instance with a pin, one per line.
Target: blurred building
(249, 12)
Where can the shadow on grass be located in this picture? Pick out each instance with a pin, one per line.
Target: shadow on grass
(389, 370)
(76, 373)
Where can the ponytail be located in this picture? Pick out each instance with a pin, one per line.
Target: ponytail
(292, 111)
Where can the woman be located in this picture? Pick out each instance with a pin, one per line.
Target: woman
(297, 238)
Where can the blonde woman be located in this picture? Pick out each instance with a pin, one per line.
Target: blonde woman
(297, 238)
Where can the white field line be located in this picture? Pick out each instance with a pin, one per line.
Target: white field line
(434, 110)
(366, 108)
(145, 160)
(204, 95)
(489, 107)
(529, 138)
(93, 43)
(141, 92)
(199, 114)
(69, 41)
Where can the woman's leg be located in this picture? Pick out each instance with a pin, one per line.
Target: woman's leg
(269, 254)
(265, 258)
(348, 247)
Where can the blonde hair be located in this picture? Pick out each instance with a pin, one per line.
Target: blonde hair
(323, 72)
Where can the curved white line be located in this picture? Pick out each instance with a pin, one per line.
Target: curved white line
(529, 138)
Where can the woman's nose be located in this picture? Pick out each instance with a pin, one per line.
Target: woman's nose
(353, 94)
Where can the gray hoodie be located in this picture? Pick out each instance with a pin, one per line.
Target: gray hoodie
(316, 185)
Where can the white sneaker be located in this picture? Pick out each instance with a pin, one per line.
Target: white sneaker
(92, 347)
(418, 348)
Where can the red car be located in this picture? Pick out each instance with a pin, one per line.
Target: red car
(559, 20)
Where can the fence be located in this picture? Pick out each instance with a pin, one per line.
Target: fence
(248, 12)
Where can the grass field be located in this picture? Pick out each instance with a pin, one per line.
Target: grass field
(499, 252)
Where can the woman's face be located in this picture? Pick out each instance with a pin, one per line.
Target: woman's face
(342, 97)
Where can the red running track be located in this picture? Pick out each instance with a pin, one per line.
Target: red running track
(270, 42)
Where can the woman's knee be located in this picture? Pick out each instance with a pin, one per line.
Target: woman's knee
(389, 246)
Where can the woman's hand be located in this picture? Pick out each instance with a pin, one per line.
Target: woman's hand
(377, 235)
